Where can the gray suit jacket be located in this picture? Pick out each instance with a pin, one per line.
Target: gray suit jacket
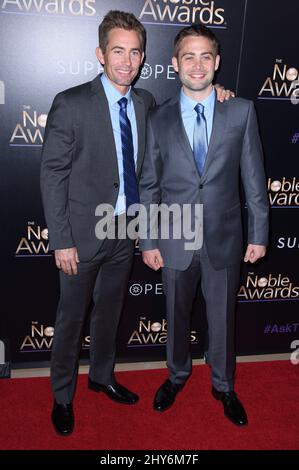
(79, 163)
(170, 176)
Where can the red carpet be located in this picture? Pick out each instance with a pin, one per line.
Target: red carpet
(269, 391)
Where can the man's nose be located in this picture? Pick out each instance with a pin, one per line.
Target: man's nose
(198, 62)
(127, 58)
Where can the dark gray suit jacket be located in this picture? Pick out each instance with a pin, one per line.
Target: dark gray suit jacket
(79, 163)
(170, 176)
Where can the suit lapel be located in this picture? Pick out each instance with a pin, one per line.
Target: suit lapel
(140, 121)
(219, 120)
(178, 130)
(101, 114)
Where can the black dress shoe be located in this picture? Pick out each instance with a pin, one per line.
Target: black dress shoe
(63, 418)
(233, 408)
(115, 392)
(165, 396)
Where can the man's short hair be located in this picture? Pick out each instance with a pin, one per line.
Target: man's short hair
(195, 30)
(120, 19)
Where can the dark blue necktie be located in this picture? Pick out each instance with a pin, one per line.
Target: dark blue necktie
(130, 180)
(200, 140)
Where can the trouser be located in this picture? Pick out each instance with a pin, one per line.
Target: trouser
(104, 280)
(219, 288)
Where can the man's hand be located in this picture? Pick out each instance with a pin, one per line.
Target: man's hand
(67, 260)
(222, 94)
(153, 259)
(254, 252)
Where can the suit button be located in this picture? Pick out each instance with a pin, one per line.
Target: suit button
(200, 186)
(115, 185)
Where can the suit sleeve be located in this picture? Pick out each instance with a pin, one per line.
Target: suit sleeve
(149, 190)
(56, 167)
(254, 182)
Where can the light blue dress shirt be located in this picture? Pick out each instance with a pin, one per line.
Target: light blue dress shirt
(189, 114)
(113, 96)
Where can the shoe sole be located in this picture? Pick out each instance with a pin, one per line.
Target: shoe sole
(217, 397)
(164, 409)
(97, 389)
(240, 425)
(65, 434)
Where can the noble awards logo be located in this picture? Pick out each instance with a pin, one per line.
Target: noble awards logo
(74, 8)
(28, 132)
(149, 333)
(35, 243)
(182, 12)
(267, 288)
(283, 192)
(40, 339)
(282, 84)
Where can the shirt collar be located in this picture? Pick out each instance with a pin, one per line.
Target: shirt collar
(112, 94)
(188, 104)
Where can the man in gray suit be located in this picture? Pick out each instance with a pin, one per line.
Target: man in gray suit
(196, 150)
(94, 131)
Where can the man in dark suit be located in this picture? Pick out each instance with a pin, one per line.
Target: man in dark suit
(196, 150)
(82, 167)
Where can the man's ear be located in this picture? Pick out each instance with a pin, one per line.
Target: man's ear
(175, 64)
(217, 62)
(100, 55)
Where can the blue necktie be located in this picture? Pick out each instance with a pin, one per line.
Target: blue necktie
(130, 180)
(200, 141)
